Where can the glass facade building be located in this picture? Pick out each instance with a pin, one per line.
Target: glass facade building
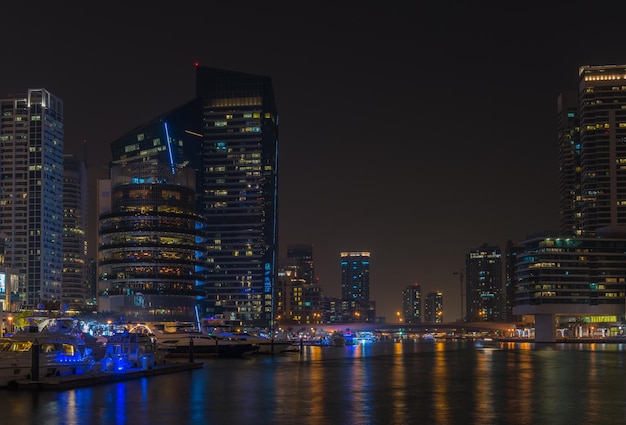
(579, 273)
(572, 276)
(239, 195)
(592, 131)
(570, 200)
(149, 244)
(150, 235)
(228, 136)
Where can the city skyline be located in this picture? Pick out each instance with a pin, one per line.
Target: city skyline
(413, 134)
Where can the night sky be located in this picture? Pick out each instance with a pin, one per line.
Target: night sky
(415, 133)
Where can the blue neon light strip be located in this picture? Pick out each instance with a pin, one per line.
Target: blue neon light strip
(198, 318)
(169, 147)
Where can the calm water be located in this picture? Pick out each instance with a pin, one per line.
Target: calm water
(381, 383)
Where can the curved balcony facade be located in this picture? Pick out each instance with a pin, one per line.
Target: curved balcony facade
(149, 244)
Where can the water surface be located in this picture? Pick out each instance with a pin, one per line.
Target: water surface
(445, 383)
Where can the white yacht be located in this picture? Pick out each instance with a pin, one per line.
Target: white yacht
(179, 344)
(264, 342)
(59, 355)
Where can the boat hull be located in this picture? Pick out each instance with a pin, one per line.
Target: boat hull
(225, 351)
(276, 347)
(265, 345)
(11, 372)
(203, 346)
(41, 355)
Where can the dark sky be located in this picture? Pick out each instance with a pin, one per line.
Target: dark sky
(414, 132)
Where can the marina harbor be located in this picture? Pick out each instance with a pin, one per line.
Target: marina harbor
(62, 353)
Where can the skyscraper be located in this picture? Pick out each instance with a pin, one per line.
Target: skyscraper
(150, 254)
(412, 304)
(301, 256)
(74, 234)
(511, 257)
(484, 284)
(31, 211)
(569, 163)
(355, 285)
(595, 142)
(433, 307)
(149, 244)
(228, 136)
(239, 194)
(579, 272)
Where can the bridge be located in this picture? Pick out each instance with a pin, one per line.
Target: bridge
(449, 327)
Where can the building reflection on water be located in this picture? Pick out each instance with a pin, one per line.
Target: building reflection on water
(439, 382)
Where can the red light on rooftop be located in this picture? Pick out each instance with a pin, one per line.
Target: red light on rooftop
(196, 64)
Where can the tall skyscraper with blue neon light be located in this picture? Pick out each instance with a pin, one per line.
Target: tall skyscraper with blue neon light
(228, 136)
(239, 195)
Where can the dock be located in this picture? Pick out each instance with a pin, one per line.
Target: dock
(69, 382)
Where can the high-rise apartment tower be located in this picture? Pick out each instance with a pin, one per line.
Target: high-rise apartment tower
(412, 304)
(31, 211)
(74, 286)
(433, 307)
(484, 299)
(592, 154)
(355, 285)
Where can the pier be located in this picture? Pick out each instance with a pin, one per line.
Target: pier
(68, 382)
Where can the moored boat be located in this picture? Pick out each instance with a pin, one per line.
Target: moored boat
(265, 344)
(337, 339)
(132, 350)
(31, 355)
(202, 345)
(365, 337)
